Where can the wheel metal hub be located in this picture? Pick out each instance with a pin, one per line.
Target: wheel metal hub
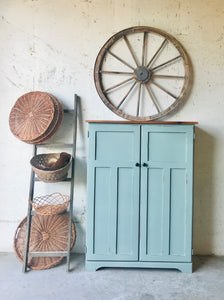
(142, 74)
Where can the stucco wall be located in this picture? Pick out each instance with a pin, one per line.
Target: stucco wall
(52, 45)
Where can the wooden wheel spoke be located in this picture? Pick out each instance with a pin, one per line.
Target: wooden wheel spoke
(166, 63)
(131, 50)
(144, 48)
(168, 76)
(157, 52)
(117, 85)
(152, 97)
(139, 97)
(120, 59)
(125, 97)
(116, 72)
(163, 89)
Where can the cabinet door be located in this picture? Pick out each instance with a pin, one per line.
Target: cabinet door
(113, 192)
(166, 193)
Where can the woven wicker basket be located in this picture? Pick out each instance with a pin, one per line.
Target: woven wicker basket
(35, 117)
(40, 161)
(31, 115)
(55, 124)
(48, 233)
(53, 204)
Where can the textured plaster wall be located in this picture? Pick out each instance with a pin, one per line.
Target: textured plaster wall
(52, 45)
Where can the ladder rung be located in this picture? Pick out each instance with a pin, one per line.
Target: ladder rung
(47, 253)
(66, 179)
(33, 213)
(66, 145)
(68, 111)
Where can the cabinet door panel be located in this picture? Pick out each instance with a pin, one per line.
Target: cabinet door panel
(125, 212)
(177, 211)
(167, 146)
(154, 213)
(102, 212)
(114, 146)
(113, 192)
(166, 193)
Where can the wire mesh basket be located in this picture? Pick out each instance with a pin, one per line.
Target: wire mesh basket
(52, 204)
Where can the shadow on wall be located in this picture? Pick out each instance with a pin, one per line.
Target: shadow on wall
(203, 235)
(80, 179)
(79, 246)
(81, 130)
(64, 134)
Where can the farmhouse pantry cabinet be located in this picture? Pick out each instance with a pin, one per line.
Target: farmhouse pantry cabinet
(140, 195)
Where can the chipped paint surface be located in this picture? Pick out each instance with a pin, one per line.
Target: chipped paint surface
(52, 45)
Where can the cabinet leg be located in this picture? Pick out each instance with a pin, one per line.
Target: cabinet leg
(92, 266)
(186, 268)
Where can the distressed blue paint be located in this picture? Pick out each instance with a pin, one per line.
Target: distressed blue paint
(112, 209)
(125, 199)
(154, 237)
(167, 146)
(95, 265)
(178, 217)
(102, 211)
(171, 229)
(140, 216)
(114, 145)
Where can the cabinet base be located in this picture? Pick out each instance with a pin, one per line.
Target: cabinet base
(95, 265)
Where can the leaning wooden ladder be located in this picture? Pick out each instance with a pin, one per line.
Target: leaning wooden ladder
(30, 212)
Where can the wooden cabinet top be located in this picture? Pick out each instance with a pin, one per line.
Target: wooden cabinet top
(144, 122)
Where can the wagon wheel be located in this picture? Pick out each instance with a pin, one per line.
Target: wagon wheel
(142, 73)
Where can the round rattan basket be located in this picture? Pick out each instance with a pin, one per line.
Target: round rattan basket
(53, 204)
(54, 126)
(39, 163)
(35, 117)
(48, 233)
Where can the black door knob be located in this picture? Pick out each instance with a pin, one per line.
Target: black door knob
(145, 165)
(137, 165)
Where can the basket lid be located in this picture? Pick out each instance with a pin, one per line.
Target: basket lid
(48, 233)
(31, 115)
(55, 124)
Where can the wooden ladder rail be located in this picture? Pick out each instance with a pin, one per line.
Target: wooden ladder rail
(70, 209)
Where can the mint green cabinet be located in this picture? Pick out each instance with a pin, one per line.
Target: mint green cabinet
(139, 206)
